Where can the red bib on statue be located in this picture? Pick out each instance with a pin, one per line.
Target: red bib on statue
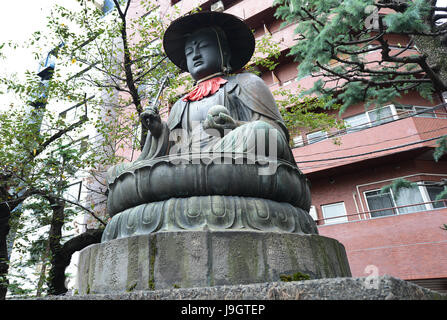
(204, 89)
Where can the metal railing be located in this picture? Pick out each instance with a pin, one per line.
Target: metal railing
(385, 212)
(400, 115)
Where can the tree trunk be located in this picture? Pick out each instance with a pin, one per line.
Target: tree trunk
(61, 259)
(54, 241)
(4, 260)
(43, 271)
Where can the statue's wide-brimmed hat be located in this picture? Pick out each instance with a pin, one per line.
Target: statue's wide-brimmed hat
(239, 36)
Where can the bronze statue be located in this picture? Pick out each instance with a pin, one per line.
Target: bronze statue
(214, 148)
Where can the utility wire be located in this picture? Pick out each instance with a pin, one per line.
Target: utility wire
(372, 152)
(380, 121)
(374, 143)
(335, 163)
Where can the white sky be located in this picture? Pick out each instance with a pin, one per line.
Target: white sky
(18, 20)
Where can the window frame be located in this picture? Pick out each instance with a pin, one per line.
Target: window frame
(370, 123)
(413, 109)
(395, 211)
(425, 198)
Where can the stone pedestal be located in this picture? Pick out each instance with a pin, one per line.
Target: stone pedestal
(186, 259)
(376, 288)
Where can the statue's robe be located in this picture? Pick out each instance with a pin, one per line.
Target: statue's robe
(248, 100)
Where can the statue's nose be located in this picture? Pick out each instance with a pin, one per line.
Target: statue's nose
(197, 54)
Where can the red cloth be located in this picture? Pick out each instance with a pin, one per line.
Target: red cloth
(205, 88)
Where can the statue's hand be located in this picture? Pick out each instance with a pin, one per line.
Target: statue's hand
(150, 118)
(218, 118)
(222, 123)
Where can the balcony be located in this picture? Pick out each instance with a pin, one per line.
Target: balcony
(283, 37)
(184, 6)
(247, 9)
(380, 136)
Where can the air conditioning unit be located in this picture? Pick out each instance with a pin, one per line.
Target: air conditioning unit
(104, 5)
(99, 4)
(217, 6)
(313, 213)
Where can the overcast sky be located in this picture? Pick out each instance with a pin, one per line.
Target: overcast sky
(18, 20)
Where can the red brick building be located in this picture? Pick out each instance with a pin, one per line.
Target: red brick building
(384, 233)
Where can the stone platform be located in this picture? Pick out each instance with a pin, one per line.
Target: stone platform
(377, 288)
(186, 259)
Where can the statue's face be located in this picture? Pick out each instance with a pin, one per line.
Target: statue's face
(202, 53)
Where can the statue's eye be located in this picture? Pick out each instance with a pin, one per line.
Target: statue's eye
(188, 51)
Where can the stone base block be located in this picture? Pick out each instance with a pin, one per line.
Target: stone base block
(186, 259)
(377, 288)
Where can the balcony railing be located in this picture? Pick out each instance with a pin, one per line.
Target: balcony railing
(384, 212)
(430, 112)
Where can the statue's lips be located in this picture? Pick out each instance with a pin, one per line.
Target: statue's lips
(198, 63)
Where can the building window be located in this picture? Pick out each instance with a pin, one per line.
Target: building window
(409, 200)
(410, 196)
(377, 200)
(385, 114)
(432, 193)
(371, 118)
(334, 213)
(356, 123)
(382, 115)
(412, 110)
(316, 137)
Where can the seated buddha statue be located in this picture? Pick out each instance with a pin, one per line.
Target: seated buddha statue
(180, 177)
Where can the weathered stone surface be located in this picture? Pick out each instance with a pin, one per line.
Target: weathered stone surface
(185, 259)
(382, 288)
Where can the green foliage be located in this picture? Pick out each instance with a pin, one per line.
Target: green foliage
(442, 194)
(397, 185)
(39, 158)
(266, 54)
(298, 276)
(132, 287)
(336, 38)
(441, 148)
(305, 113)
(412, 20)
